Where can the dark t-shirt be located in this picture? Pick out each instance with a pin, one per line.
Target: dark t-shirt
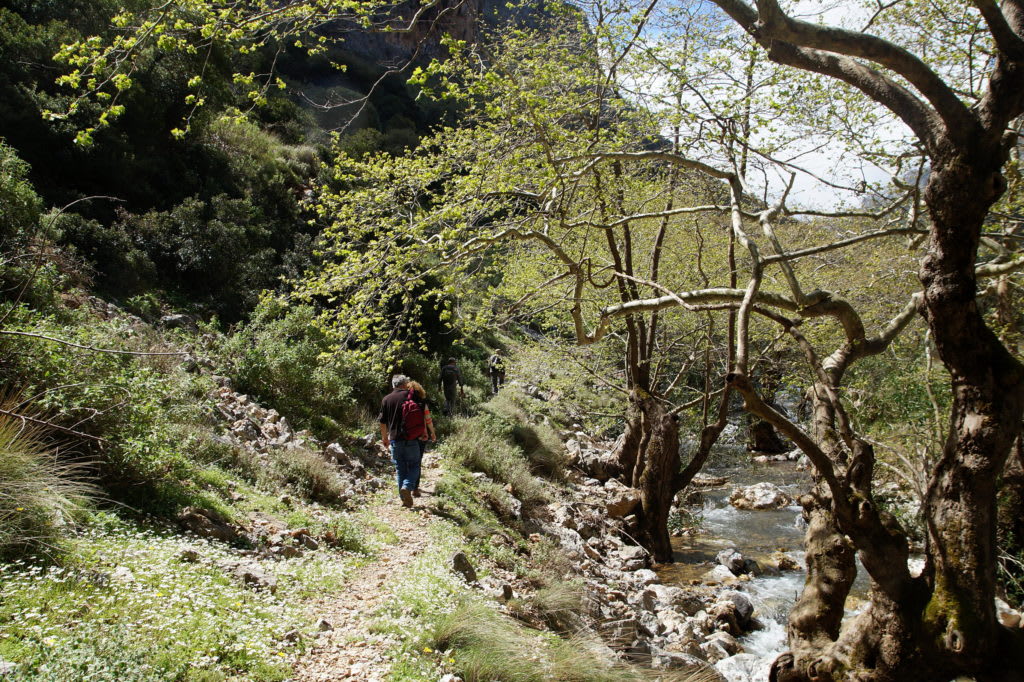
(391, 411)
(450, 378)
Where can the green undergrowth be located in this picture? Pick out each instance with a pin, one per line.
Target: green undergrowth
(513, 416)
(126, 606)
(521, 457)
(151, 438)
(484, 645)
(297, 470)
(442, 625)
(136, 412)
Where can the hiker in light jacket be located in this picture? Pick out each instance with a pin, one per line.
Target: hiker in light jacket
(496, 368)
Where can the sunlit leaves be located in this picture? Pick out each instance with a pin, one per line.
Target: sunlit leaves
(101, 67)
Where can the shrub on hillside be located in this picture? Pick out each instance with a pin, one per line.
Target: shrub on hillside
(29, 267)
(134, 405)
(286, 361)
(19, 204)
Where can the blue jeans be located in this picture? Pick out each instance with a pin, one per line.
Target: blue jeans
(406, 456)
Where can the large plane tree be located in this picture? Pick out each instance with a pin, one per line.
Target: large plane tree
(941, 623)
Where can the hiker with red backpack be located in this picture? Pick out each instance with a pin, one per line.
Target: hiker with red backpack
(428, 422)
(402, 423)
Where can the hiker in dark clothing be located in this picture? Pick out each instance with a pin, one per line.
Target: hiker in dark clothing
(450, 379)
(496, 368)
(401, 425)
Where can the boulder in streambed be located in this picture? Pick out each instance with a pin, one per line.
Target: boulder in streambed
(732, 560)
(631, 557)
(760, 496)
(742, 667)
(719, 574)
(744, 608)
(737, 563)
(783, 562)
(622, 500)
(702, 481)
(671, 660)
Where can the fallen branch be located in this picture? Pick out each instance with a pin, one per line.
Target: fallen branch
(92, 348)
(51, 425)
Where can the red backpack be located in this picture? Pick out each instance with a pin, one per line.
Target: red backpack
(414, 424)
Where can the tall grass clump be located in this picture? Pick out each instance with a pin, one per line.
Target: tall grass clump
(539, 442)
(300, 469)
(39, 494)
(479, 446)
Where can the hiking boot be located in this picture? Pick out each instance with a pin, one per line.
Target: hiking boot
(416, 492)
(406, 497)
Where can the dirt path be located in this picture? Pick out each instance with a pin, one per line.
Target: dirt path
(350, 651)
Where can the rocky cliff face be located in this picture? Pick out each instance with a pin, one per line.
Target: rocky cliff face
(335, 97)
(461, 19)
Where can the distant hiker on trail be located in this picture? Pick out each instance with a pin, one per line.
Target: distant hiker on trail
(496, 368)
(430, 434)
(402, 423)
(450, 379)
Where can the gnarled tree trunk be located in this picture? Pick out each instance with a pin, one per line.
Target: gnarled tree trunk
(943, 623)
(656, 480)
(988, 399)
(649, 456)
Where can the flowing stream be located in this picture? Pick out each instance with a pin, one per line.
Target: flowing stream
(756, 535)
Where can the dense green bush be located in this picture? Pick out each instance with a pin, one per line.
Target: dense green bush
(20, 206)
(30, 268)
(283, 359)
(210, 219)
(134, 405)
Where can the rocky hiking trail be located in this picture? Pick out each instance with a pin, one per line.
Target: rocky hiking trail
(583, 529)
(346, 648)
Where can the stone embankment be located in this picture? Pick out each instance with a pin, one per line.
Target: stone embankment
(265, 437)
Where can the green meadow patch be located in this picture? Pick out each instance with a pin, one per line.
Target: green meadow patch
(127, 606)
